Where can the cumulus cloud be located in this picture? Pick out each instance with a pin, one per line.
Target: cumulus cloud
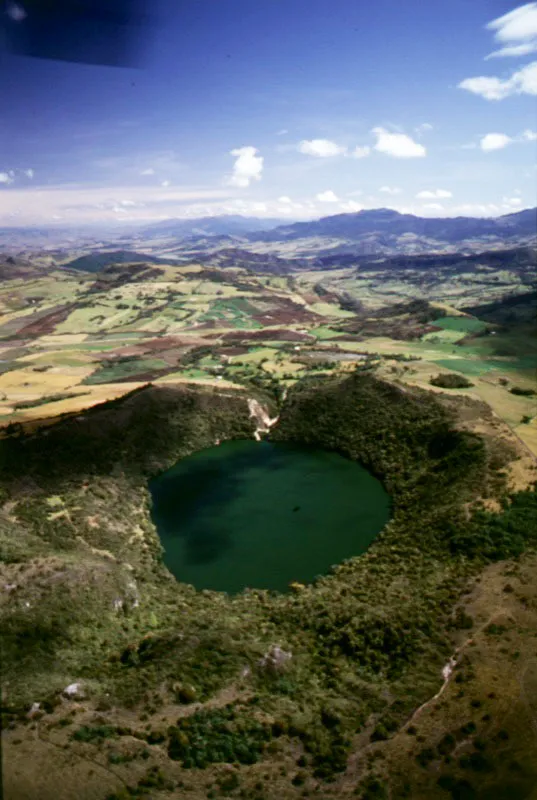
(165, 183)
(29, 173)
(433, 206)
(524, 81)
(431, 194)
(350, 207)
(390, 189)
(361, 152)
(247, 167)
(148, 171)
(529, 136)
(320, 148)
(511, 201)
(327, 197)
(285, 200)
(5, 178)
(127, 203)
(494, 141)
(516, 31)
(397, 145)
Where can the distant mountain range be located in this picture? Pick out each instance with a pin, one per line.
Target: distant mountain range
(366, 233)
(225, 225)
(388, 223)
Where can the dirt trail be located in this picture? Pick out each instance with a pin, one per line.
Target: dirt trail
(447, 670)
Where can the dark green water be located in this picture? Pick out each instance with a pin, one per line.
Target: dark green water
(261, 515)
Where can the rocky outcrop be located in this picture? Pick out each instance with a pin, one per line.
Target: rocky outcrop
(263, 420)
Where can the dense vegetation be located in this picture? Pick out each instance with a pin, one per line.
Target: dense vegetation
(450, 381)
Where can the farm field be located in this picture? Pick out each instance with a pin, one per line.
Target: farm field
(70, 339)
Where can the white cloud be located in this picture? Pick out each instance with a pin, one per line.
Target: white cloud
(361, 152)
(285, 200)
(355, 193)
(512, 201)
(398, 145)
(148, 171)
(165, 183)
(327, 197)
(248, 167)
(259, 207)
(350, 207)
(282, 132)
(5, 177)
(29, 173)
(423, 128)
(517, 25)
(516, 30)
(494, 141)
(529, 136)
(524, 81)
(321, 148)
(390, 189)
(433, 206)
(514, 50)
(429, 194)
(127, 203)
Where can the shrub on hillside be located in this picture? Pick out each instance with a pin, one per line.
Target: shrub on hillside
(451, 381)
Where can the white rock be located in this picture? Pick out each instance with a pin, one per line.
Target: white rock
(73, 690)
(34, 710)
(275, 658)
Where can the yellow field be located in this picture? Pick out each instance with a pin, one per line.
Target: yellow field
(25, 385)
(178, 377)
(53, 339)
(86, 397)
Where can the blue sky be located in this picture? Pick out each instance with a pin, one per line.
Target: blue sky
(295, 108)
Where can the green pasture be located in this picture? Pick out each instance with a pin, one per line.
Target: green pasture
(324, 332)
(109, 373)
(464, 324)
